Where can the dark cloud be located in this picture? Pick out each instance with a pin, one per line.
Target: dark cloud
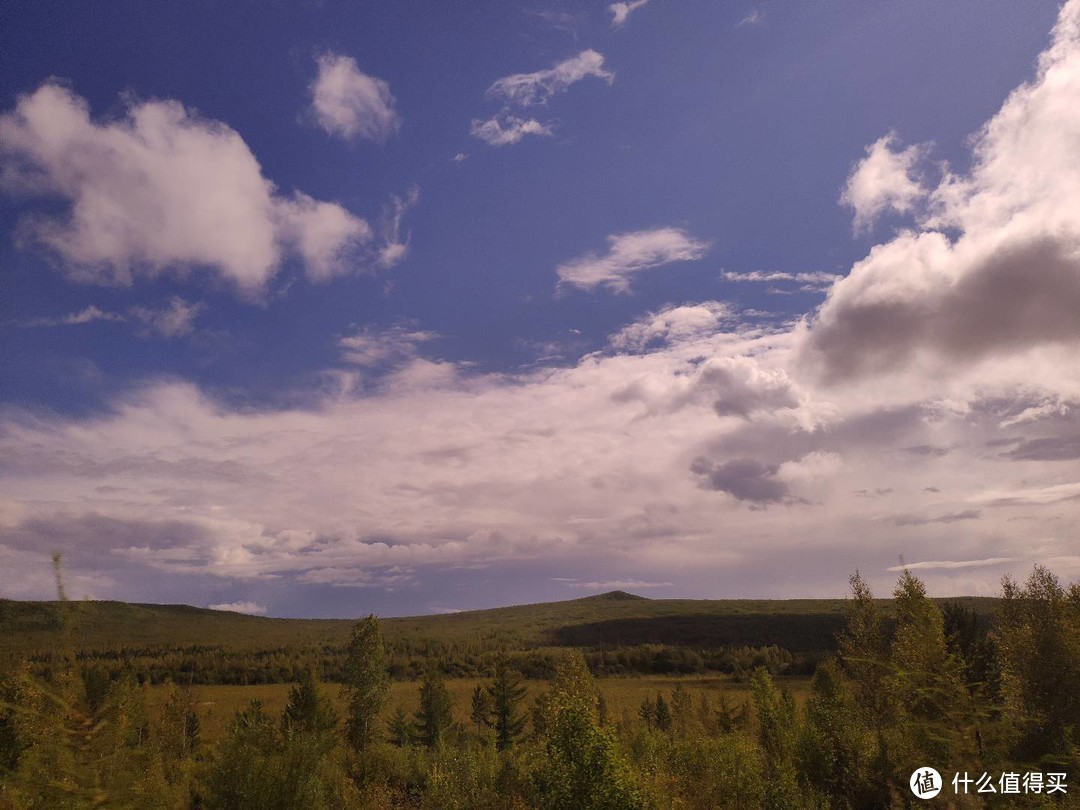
(744, 479)
(954, 517)
(1050, 448)
(926, 450)
(91, 539)
(1022, 295)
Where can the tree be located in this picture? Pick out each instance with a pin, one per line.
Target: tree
(663, 713)
(777, 731)
(399, 729)
(365, 683)
(506, 692)
(308, 710)
(926, 683)
(480, 709)
(435, 716)
(583, 768)
(647, 711)
(680, 709)
(1038, 637)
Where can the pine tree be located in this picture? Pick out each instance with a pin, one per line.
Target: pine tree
(365, 683)
(435, 717)
(480, 709)
(308, 710)
(663, 713)
(399, 729)
(506, 692)
(647, 711)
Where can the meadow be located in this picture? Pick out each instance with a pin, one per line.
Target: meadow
(216, 706)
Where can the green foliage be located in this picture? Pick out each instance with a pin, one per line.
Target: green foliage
(436, 714)
(777, 732)
(506, 692)
(480, 708)
(308, 710)
(583, 767)
(661, 713)
(365, 683)
(398, 729)
(1038, 636)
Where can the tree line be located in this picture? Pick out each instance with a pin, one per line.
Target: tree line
(924, 686)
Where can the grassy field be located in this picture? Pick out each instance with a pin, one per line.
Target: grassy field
(216, 705)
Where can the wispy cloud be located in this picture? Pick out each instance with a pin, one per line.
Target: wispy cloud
(629, 254)
(175, 320)
(621, 11)
(89, 314)
(947, 565)
(505, 129)
(528, 89)
(250, 608)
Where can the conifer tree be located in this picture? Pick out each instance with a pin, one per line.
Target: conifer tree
(506, 692)
(308, 710)
(435, 717)
(480, 709)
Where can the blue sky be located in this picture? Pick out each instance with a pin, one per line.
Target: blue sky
(318, 309)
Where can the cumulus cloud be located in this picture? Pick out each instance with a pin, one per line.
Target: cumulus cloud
(629, 254)
(743, 478)
(349, 103)
(884, 180)
(620, 11)
(251, 608)
(160, 190)
(528, 89)
(1008, 281)
(505, 129)
(927, 410)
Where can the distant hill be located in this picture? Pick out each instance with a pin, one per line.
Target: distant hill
(608, 619)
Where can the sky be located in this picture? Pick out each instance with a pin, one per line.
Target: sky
(322, 309)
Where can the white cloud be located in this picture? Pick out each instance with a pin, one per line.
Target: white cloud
(697, 449)
(615, 584)
(929, 565)
(395, 247)
(250, 608)
(370, 348)
(505, 129)
(351, 104)
(620, 11)
(89, 314)
(160, 190)
(629, 254)
(672, 324)
(884, 180)
(175, 320)
(527, 89)
(992, 273)
(755, 17)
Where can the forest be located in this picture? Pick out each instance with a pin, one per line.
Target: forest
(985, 692)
